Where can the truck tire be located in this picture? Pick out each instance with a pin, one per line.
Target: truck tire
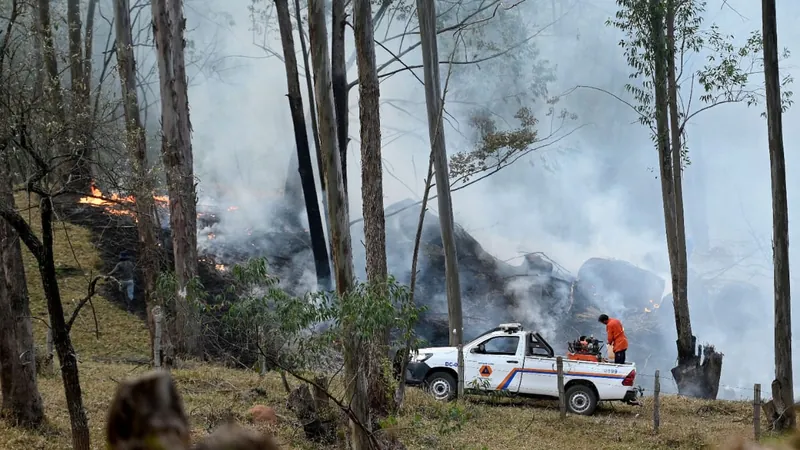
(581, 400)
(441, 385)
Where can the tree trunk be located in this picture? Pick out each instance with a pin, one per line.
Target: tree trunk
(683, 324)
(356, 385)
(176, 151)
(78, 174)
(400, 393)
(61, 338)
(22, 402)
(137, 145)
(91, 115)
(783, 387)
(311, 104)
(426, 11)
(339, 79)
(697, 373)
(51, 77)
(315, 227)
(371, 188)
(43, 252)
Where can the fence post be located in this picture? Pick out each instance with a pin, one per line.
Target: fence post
(157, 322)
(757, 411)
(656, 402)
(562, 398)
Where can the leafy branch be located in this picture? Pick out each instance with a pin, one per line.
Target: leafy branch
(726, 76)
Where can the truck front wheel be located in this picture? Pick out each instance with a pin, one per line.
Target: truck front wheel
(581, 400)
(441, 385)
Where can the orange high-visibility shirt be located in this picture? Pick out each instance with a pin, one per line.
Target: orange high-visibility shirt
(616, 335)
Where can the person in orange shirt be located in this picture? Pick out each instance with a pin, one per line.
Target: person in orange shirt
(616, 338)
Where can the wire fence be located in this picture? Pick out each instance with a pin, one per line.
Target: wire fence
(657, 384)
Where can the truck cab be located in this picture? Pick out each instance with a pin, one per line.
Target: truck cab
(511, 359)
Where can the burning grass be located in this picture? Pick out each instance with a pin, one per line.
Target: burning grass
(118, 205)
(77, 261)
(213, 394)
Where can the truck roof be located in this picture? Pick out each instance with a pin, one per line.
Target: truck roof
(507, 327)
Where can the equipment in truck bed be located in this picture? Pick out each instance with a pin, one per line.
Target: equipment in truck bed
(585, 349)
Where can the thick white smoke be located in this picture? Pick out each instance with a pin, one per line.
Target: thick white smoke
(595, 193)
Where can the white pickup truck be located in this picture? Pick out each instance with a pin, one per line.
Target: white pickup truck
(510, 359)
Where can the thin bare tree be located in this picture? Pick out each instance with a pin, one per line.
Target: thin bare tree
(356, 380)
(22, 403)
(136, 140)
(372, 189)
(78, 175)
(426, 12)
(339, 81)
(676, 227)
(315, 224)
(176, 150)
(783, 385)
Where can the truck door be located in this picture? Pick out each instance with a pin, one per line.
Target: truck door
(539, 374)
(494, 363)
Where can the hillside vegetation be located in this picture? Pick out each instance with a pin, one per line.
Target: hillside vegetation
(215, 394)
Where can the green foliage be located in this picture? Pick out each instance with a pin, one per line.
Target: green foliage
(483, 386)
(310, 328)
(453, 417)
(497, 148)
(167, 292)
(726, 76)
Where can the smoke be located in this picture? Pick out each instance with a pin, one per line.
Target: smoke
(594, 193)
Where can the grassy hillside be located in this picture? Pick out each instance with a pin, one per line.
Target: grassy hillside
(213, 394)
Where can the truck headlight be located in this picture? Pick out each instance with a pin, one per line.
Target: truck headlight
(422, 357)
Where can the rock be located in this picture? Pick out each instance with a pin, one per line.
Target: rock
(263, 415)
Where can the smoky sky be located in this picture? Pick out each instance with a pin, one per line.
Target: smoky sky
(593, 193)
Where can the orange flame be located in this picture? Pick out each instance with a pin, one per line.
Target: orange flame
(124, 205)
(116, 204)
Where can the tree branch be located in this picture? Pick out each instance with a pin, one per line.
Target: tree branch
(621, 100)
(345, 409)
(90, 293)
(24, 231)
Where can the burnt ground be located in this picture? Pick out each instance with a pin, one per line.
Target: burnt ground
(537, 292)
(112, 234)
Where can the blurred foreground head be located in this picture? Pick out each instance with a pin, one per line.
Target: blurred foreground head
(147, 414)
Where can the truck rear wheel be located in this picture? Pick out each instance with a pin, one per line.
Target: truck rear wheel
(441, 385)
(581, 400)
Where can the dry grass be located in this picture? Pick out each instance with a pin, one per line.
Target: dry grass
(214, 394)
(77, 261)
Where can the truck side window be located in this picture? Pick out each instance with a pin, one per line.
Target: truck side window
(536, 348)
(501, 345)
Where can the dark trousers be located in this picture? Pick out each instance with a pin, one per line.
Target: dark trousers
(619, 357)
